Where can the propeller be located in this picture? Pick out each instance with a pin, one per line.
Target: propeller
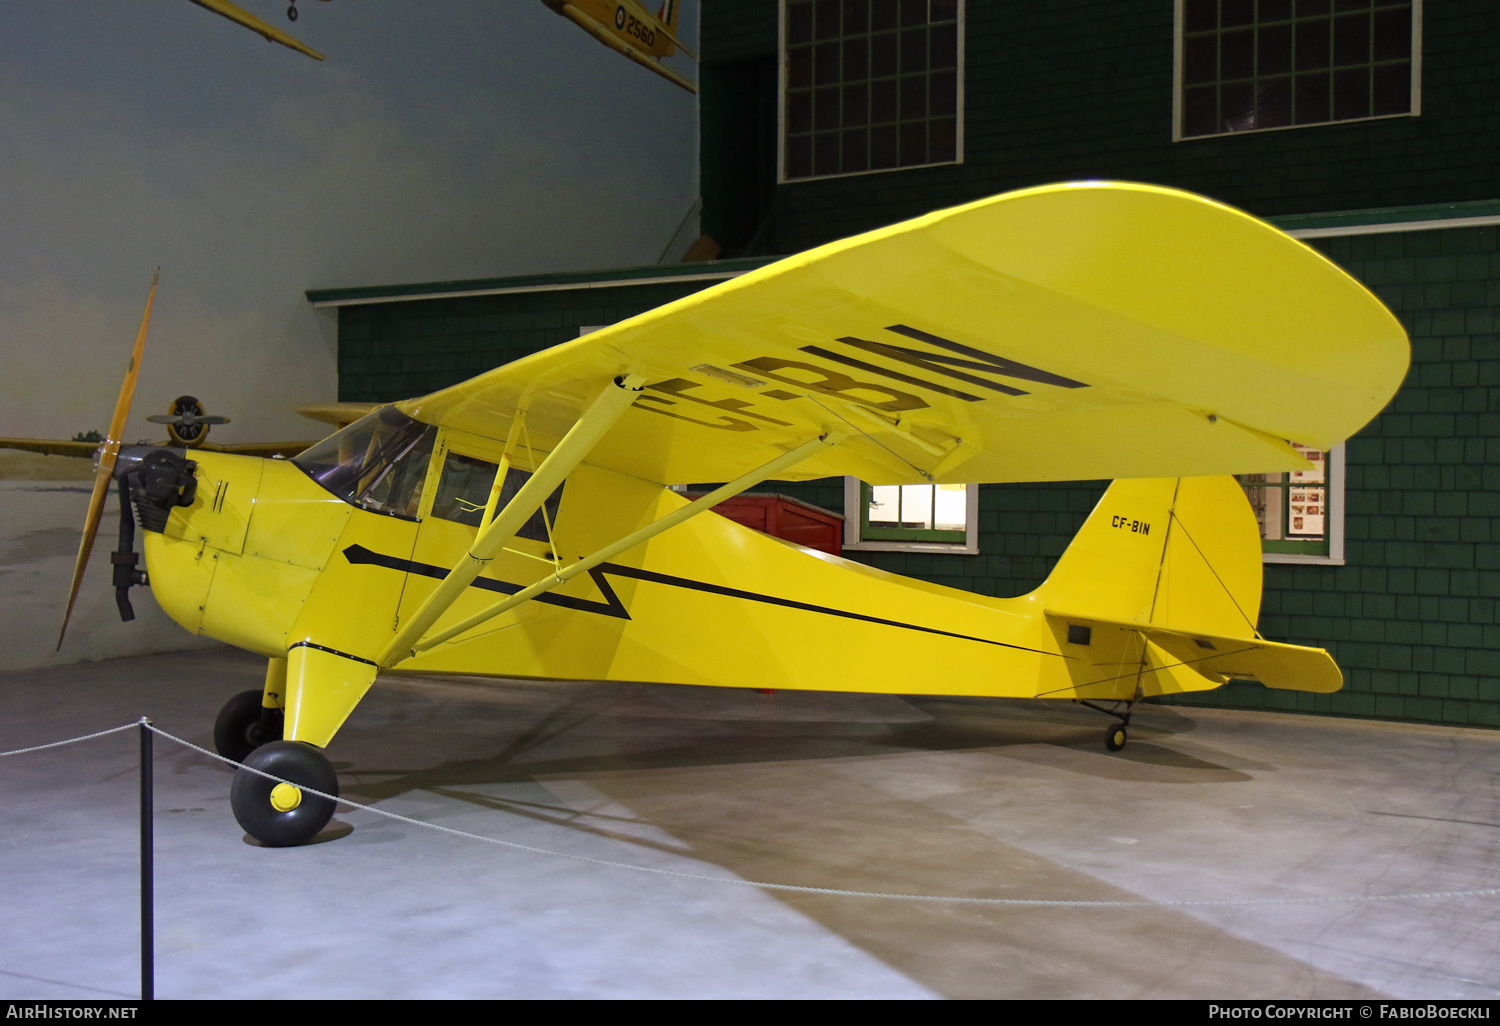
(187, 424)
(109, 453)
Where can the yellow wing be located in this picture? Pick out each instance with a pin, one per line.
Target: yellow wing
(242, 17)
(53, 446)
(1066, 332)
(340, 415)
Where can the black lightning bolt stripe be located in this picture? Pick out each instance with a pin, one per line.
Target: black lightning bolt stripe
(612, 606)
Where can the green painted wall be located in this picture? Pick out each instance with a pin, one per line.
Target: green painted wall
(1412, 616)
(391, 351)
(1064, 91)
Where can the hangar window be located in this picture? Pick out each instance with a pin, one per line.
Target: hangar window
(870, 85)
(1301, 513)
(911, 518)
(1249, 65)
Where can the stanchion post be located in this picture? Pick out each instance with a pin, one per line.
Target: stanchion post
(148, 945)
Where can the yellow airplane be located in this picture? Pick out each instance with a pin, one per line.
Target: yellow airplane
(522, 524)
(188, 424)
(629, 29)
(622, 25)
(238, 15)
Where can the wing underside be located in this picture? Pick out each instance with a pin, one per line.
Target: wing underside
(1062, 333)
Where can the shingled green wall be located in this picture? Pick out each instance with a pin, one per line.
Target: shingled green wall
(1411, 617)
(397, 350)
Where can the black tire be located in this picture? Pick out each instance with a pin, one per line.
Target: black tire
(238, 730)
(250, 794)
(1115, 737)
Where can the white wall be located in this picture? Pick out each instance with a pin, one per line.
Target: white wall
(472, 138)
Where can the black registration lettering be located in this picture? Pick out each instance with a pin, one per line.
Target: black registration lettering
(833, 383)
(1133, 526)
(678, 389)
(654, 404)
(977, 359)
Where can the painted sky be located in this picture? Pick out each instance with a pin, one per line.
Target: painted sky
(472, 138)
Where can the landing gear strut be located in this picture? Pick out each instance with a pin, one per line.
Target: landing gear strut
(278, 814)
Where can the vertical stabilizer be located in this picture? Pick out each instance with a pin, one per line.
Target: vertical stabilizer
(1174, 553)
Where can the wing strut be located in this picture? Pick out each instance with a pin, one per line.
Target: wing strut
(672, 519)
(560, 462)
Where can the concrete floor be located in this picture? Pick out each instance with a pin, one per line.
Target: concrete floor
(927, 796)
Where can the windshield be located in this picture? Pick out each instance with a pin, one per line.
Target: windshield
(378, 463)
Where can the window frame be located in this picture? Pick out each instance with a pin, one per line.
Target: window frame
(781, 108)
(856, 518)
(1334, 518)
(1178, 11)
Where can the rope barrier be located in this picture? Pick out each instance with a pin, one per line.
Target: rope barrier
(791, 888)
(69, 741)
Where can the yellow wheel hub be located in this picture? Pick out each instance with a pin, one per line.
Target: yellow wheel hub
(285, 797)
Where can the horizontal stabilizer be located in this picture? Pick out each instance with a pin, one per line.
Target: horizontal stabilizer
(1217, 658)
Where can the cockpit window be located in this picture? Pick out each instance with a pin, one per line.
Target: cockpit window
(463, 489)
(377, 463)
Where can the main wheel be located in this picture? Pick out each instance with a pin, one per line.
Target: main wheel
(1115, 737)
(281, 815)
(243, 726)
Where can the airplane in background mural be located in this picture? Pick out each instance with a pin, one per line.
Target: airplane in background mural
(629, 29)
(240, 16)
(523, 523)
(622, 25)
(188, 424)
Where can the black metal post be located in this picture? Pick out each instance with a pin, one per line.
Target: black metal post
(148, 945)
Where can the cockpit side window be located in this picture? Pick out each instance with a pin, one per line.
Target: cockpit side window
(463, 489)
(535, 528)
(377, 463)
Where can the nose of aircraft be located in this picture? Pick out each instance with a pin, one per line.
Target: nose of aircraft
(154, 481)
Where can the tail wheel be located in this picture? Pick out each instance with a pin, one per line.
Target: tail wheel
(283, 815)
(244, 724)
(1115, 737)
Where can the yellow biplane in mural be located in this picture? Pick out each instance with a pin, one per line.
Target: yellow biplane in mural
(523, 523)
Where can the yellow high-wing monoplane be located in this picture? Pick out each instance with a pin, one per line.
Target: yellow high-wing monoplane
(521, 524)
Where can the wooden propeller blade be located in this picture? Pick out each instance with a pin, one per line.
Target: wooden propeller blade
(108, 455)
